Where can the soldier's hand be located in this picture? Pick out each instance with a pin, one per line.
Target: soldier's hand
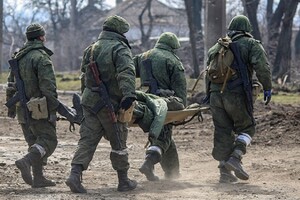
(11, 112)
(267, 96)
(127, 102)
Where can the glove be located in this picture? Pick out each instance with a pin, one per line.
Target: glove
(11, 112)
(267, 96)
(52, 119)
(127, 102)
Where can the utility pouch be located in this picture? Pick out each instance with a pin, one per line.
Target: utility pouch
(126, 115)
(256, 89)
(38, 108)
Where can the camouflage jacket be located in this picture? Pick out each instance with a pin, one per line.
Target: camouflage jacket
(37, 73)
(167, 69)
(254, 56)
(114, 61)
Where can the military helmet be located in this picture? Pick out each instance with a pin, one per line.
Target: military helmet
(240, 23)
(34, 30)
(169, 39)
(117, 24)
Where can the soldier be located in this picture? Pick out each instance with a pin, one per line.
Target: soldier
(107, 69)
(36, 71)
(166, 78)
(232, 109)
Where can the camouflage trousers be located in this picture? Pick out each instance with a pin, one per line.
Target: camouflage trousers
(230, 118)
(169, 160)
(41, 132)
(92, 129)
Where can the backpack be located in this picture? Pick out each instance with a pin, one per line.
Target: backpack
(219, 69)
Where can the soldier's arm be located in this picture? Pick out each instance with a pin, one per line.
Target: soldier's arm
(260, 64)
(47, 83)
(178, 80)
(125, 71)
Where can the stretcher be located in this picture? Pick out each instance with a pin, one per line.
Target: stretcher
(180, 117)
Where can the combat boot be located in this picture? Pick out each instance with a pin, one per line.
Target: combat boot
(234, 164)
(74, 180)
(24, 165)
(38, 178)
(226, 176)
(125, 184)
(147, 167)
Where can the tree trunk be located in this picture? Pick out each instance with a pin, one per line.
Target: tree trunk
(273, 30)
(145, 35)
(282, 65)
(251, 9)
(190, 11)
(1, 35)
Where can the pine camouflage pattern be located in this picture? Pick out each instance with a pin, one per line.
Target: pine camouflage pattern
(167, 68)
(229, 109)
(240, 23)
(116, 68)
(37, 72)
(115, 65)
(168, 71)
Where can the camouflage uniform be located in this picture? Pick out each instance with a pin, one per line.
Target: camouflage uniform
(234, 124)
(168, 71)
(36, 71)
(114, 62)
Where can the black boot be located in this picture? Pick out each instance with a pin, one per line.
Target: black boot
(24, 165)
(74, 180)
(38, 178)
(234, 164)
(147, 167)
(226, 176)
(125, 184)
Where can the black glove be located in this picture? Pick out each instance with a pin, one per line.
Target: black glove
(11, 112)
(127, 102)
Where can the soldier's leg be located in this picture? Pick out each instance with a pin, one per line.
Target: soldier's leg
(46, 140)
(244, 126)
(91, 133)
(155, 152)
(117, 135)
(223, 135)
(170, 160)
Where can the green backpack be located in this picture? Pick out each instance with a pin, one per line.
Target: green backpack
(219, 69)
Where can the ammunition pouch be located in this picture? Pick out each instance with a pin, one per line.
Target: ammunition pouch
(38, 108)
(256, 88)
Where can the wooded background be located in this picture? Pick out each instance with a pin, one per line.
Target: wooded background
(71, 25)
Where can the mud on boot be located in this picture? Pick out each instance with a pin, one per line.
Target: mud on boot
(125, 184)
(234, 164)
(74, 180)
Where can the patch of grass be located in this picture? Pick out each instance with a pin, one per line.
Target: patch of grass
(3, 77)
(68, 81)
(284, 98)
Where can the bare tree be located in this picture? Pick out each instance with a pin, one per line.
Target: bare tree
(1, 35)
(282, 64)
(145, 35)
(193, 10)
(251, 10)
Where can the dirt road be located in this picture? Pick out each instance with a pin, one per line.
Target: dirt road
(273, 162)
